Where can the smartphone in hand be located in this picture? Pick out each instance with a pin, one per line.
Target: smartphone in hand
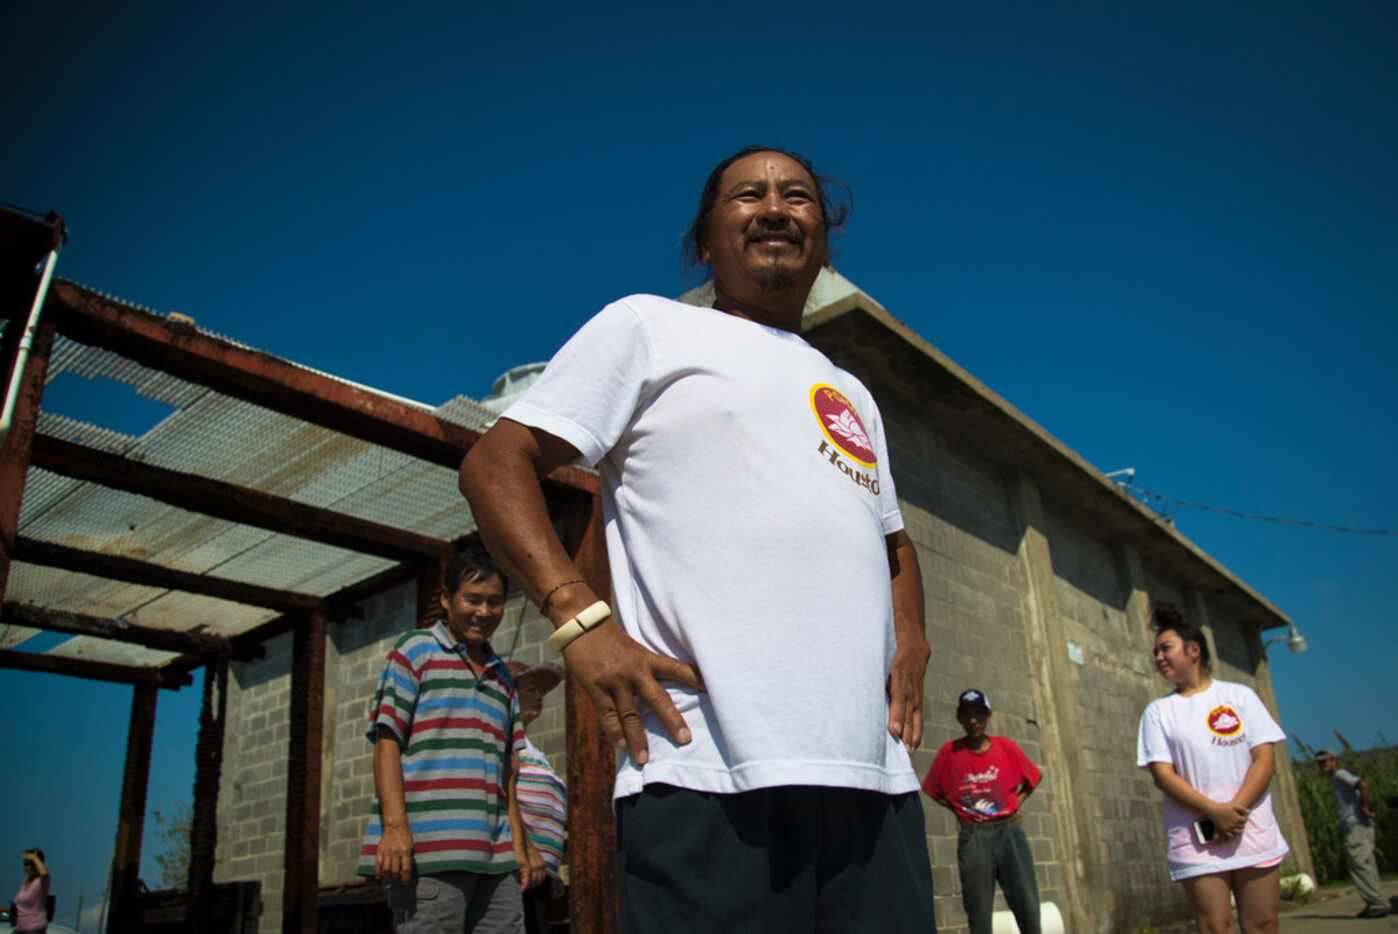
(1204, 831)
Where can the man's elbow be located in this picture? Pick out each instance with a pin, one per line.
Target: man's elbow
(482, 461)
(469, 473)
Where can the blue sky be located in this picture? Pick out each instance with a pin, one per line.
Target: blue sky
(1168, 235)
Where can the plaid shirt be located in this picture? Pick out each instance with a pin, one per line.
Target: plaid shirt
(453, 729)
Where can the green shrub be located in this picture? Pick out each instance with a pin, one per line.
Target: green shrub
(1380, 768)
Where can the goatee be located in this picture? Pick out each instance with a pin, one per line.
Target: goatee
(773, 278)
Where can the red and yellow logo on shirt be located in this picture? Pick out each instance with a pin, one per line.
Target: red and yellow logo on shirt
(1224, 721)
(842, 425)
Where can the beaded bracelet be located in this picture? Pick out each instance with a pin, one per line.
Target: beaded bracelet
(544, 604)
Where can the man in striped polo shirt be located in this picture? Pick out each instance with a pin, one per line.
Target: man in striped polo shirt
(446, 729)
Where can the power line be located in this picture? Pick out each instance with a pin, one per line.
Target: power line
(1169, 502)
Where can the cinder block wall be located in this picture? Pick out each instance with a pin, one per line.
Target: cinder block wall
(1110, 681)
(971, 529)
(958, 514)
(252, 788)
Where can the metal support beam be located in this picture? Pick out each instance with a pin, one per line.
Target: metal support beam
(126, 862)
(208, 769)
(94, 671)
(16, 449)
(269, 381)
(592, 906)
(233, 503)
(339, 606)
(301, 883)
(117, 630)
(429, 591)
(114, 567)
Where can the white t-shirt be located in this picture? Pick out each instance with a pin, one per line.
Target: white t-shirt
(746, 494)
(1209, 737)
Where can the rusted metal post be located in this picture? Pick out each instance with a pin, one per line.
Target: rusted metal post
(429, 587)
(592, 892)
(208, 769)
(126, 862)
(18, 444)
(300, 888)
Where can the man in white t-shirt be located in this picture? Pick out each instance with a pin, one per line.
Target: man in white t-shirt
(754, 536)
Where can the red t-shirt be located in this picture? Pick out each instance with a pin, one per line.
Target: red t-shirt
(979, 785)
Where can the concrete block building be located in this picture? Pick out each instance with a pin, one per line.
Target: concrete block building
(1038, 572)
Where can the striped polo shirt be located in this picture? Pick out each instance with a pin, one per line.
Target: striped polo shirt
(453, 729)
(543, 804)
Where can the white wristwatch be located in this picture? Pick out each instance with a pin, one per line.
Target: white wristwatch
(594, 615)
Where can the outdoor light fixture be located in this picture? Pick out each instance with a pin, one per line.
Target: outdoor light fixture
(1294, 640)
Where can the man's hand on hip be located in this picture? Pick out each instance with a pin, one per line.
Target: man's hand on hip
(620, 675)
(904, 687)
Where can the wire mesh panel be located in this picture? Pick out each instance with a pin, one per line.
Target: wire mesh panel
(219, 437)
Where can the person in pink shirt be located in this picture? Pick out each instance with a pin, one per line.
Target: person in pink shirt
(1210, 747)
(31, 903)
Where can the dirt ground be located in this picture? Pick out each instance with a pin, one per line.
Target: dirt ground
(1337, 915)
(1333, 913)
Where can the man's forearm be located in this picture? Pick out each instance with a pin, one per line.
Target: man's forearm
(388, 782)
(500, 480)
(1258, 776)
(906, 578)
(1186, 795)
(517, 828)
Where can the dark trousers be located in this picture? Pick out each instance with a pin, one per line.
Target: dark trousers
(536, 908)
(997, 852)
(803, 860)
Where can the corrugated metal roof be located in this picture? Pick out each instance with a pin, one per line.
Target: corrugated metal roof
(221, 438)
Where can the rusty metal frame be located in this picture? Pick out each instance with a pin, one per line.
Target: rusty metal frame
(15, 450)
(180, 350)
(94, 671)
(233, 503)
(208, 770)
(268, 381)
(132, 571)
(135, 782)
(117, 630)
(300, 884)
(592, 892)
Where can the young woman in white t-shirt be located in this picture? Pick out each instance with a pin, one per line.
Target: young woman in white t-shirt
(1209, 746)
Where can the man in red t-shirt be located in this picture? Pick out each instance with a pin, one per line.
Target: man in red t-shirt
(983, 780)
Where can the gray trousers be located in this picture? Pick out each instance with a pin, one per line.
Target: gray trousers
(457, 903)
(997, 852)
(1359, 855)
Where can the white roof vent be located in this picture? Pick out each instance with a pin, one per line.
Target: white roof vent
(510, 384)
